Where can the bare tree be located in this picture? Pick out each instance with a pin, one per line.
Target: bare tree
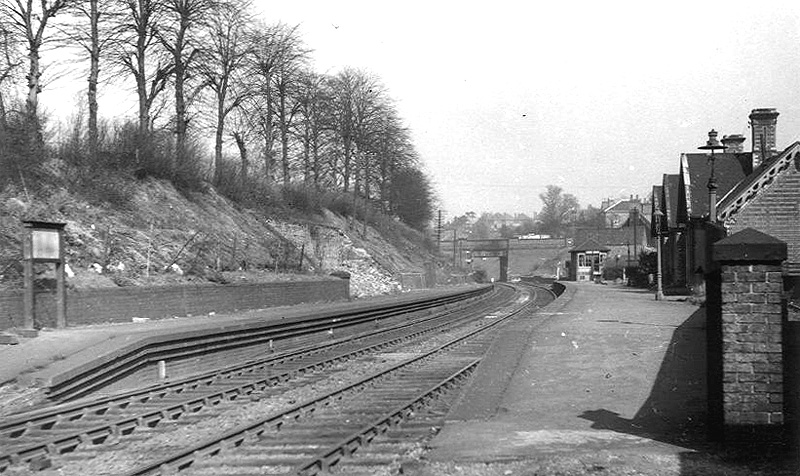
(394, 151)
(29, 20)
(358, 99)
(287, 77)
(313, 106)
(95, 42)
(241, 130)
(137, 51)
(11, 62)
(273, 46)
(222, 69)
(180, 36)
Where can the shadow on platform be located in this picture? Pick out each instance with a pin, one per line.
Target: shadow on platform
(675, 412)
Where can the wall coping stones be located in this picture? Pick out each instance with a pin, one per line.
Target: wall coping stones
(749, 245)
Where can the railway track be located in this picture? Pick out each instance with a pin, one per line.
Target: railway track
(236, 342)
(76, 432)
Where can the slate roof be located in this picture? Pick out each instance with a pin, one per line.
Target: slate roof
(610, 236)
(729, 170)
(589, 245)
(642, 220)
(670, 184)
(623, 206)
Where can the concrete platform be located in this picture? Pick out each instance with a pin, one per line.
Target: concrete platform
(604, 368)
(57, 352)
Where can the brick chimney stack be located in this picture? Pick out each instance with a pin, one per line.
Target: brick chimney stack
(763, 123)
(734, 143)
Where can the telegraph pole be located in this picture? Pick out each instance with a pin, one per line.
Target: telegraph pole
(454, 247)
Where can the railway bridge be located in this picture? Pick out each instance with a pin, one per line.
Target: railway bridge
(514, 257)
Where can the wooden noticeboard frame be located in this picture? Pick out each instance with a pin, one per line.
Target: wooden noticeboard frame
(43, 242)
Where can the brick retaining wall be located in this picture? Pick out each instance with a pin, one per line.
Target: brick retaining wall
(91, 306)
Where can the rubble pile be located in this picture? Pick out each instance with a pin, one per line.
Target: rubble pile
(332, 250)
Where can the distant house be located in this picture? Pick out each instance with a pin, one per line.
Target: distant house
(617, 212)
(625, 242)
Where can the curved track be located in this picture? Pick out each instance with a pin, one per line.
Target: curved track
(74, 430)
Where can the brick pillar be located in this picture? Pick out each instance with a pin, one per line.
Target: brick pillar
(746, 391)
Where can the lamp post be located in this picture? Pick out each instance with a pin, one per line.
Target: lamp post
(712, 144)
(659, 292)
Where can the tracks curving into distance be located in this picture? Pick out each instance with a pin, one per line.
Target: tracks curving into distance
(350, 413)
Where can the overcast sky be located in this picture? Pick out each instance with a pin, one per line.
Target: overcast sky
(600, 98)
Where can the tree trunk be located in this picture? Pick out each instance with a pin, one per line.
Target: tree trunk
(218, 136)
(94, 73)
(384, 181)
(3, 118)
(180, 101)
(315, 161)
(366, 193)
(142, 157)
(269, 139)
(346, 165)
(32, 100)
(284, 139)
(306, 154)
(240, 143)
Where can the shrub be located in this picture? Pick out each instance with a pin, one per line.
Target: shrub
(302, 199)
(340, 203)
(21, 149)
(610, 274)
(480, 276)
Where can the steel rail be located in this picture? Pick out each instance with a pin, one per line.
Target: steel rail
(239, 336)
(124, 426)
(238, 436)
(348, 445)
(324, 461)
(46, 418)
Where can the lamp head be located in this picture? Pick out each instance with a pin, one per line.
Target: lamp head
(712, 143)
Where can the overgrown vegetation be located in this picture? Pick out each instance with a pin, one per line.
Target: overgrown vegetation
(208, 75)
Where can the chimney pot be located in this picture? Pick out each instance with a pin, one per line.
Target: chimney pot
(734, 143)
(763, 125)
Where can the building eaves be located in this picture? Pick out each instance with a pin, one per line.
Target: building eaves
(761, 179)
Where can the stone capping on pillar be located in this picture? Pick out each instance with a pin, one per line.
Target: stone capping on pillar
(750, 245)
(750, 326)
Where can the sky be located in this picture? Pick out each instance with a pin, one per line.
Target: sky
(600, 98)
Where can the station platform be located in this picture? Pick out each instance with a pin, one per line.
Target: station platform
(605, 369)
(35, 362)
